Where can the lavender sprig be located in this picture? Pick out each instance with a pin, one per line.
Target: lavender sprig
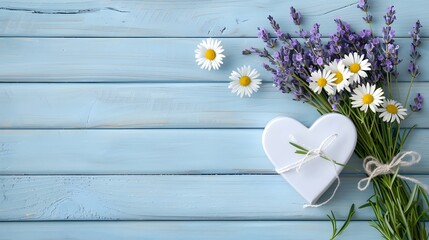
(334, 100)
(418, 103)
(315, 42)
(265, 36)
(280, 35)
(363, 5)
(390, 16)
(290, 60)
(391, 57)
(295, 16)
(413, 68)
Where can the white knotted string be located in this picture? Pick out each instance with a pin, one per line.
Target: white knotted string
(373, 168)
(311, 155)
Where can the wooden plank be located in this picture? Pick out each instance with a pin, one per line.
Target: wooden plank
(205, 105)
(134, 60)
(188, 18)
(168, 197)
(186, 230)
(152, 151)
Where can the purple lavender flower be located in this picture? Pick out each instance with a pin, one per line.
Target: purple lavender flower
(390, 49)
(334, 46)
(365, 33)
(265, 36)
(280, 35)
(363, 5)
(418, 103)
(415, 34)
(314, 42)
(302, 33)
(246, 52)
(413, 68)
(293, 60)
(342, 27)
(334, 100)
(268, 68)
(388, 34)
(368, 18)
(390, 16)
(296, 16)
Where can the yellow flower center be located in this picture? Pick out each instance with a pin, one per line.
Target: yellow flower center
(339, 77)
(322, 82)
(210, 54)
(390, 108)
(367, 99)
(245, 81)
(354, 68)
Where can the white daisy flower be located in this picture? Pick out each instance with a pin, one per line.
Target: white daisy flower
(367, 96)
(245, 81)
(391, 111)
(357, 66)
(209, 54)
(322, 80)
(342, 75)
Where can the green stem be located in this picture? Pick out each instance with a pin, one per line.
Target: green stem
(304, 151)
(409, 90)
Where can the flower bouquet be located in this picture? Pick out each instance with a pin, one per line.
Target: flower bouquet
(355, 74)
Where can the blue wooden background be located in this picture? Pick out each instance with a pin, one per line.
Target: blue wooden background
(108, 127)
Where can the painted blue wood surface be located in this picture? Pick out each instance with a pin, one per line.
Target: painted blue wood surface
(116, 122)
(170, 197)
(136, 60)
(150, 105)
(167, 197)
(181, 230)
(188, 18)
(137, 151)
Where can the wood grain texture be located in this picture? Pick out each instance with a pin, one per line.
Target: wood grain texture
(152, 151)
(182, 230)
(205, 105)
(142, 116)
(188, 18)
(168, 197)
(136, 60)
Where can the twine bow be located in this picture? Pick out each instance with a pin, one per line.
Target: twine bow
(311, 155)
(373, 168)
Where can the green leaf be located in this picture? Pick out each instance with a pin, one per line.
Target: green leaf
(301, 152)
(335, 231)
(412, 198)
(298, 146)
(349, 218)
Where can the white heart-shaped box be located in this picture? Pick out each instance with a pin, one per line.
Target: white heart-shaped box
(314, 177)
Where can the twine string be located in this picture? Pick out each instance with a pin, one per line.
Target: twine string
(373, 168)
(309, 156)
